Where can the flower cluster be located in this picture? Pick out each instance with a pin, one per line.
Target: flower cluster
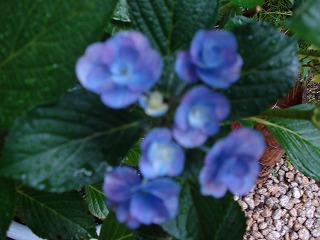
(137, 202)
(199, 115)
(212, 57)
(119, 69)
(122, 71)
(232, 163)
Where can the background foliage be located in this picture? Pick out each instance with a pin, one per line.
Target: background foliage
(62, 139)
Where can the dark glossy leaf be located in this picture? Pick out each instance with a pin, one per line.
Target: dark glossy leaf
(237, 21)
(316, 116)
(7, 205)
(171, 24)
(169, 84)
(205, 218)
(248, 3)
(68, 145)
(306, 20)
(40, 43)
(113, 230)
(301, 140)
(55, 216)
(95, 200)
(133, 155)
(270, 69)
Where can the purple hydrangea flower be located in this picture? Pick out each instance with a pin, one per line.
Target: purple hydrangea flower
(120, 69)
(160, 155)
(232, 163)
(135, 202)
(212, 57)
(198, 116)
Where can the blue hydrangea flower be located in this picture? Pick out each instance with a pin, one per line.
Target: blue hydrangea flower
(120, 69)
(232, 163)
(153, 104)
(160, 155)
(198, 116)
(135, 202)
(212, 57)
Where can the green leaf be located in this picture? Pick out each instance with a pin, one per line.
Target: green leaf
(316, 78)
(237, 21)
(248, 3)
(121, 12)
(40, 43)
(55, 216)
(171, 24)
(306, 20)
(169, 84)
(7, 205)
(300, 139)
(205, 218)
(68, 145)
(95, 200)
(133, 155)
(270, 69)
(316, 116)
(113, 230)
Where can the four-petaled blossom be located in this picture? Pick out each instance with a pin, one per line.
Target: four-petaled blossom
(120, 69)
(153, 104)
(198, 116)
(212, 57)
(232, 163)
(135, 202)
(160, 155)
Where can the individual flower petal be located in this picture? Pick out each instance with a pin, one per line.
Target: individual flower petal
(185, 68)
(117, 184)
(212, 57)
(153, 104)
(232, 163)
(135, 202)
(198, 116)
(160, 155)
(120, 69)
(156, 202)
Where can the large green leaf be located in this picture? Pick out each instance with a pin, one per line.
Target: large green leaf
(121, 12)
(205, 218)
(68, 145)
(300, 139)
(248, 3)
(55, 216)
(96, 201)
(270, 69)
(40, 42)
(7, 205)
(171, 24)
(113, 230)
(306, 21)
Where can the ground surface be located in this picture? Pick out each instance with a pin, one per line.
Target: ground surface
(287, 205)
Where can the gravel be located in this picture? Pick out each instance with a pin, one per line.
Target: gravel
(286, 206)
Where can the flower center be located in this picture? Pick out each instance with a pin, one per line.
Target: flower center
(156, 100)
(121, 73)
(161, 153)
(198, 116)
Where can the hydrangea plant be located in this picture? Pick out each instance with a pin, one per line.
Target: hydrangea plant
(119, 113)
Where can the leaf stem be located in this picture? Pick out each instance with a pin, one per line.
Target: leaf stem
(289, 113)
